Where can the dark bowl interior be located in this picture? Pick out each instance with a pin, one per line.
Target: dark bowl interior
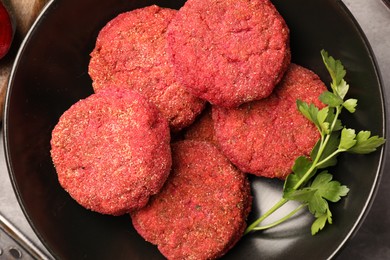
(50, 74)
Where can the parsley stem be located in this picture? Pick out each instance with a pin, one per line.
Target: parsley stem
(307, 174)
(282, 219)
(314, 164)
(330, 156)
(338, 111)
(323, 144)
(279, 204)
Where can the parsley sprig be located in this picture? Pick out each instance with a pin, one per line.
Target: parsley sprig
(309, 183)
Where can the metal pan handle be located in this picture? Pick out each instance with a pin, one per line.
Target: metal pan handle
(14, 245)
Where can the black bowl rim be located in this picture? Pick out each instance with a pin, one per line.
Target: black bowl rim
(383, 150)
(387, 3)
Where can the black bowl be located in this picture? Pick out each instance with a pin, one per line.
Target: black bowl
(50, 74)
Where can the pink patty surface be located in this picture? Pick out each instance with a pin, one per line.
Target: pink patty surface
(229, 52)
(130, 51)
(203, 128)
(111, 151)
(265, 137)
(201, 211)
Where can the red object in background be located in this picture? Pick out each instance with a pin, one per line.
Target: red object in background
(6, 31)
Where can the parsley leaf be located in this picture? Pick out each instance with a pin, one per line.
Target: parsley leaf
(322, 115)
(332, 118)
(327, 188)
(337, 73)
(309, 111)
(331, 99)
(320, 222)
(347, 139)
(350, 105)
(300, 168)
(317, 195)
(365, 143)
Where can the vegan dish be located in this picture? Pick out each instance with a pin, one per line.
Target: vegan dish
(187, 103)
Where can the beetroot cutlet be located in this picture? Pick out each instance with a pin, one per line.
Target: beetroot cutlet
(131, 51)
(111, 151)
(201, 211)
(229, 52)
(265, 137)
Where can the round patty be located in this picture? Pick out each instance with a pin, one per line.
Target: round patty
(111, 151)
(201, 211)
(229, 52)
(130, 51)
(265, 137)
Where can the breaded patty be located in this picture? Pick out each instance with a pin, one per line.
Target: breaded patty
(265, 137)
(201, 211)
(111, 151)
(229, 52)
(130, 51)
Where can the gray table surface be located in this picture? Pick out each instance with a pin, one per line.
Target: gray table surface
(372, 241)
